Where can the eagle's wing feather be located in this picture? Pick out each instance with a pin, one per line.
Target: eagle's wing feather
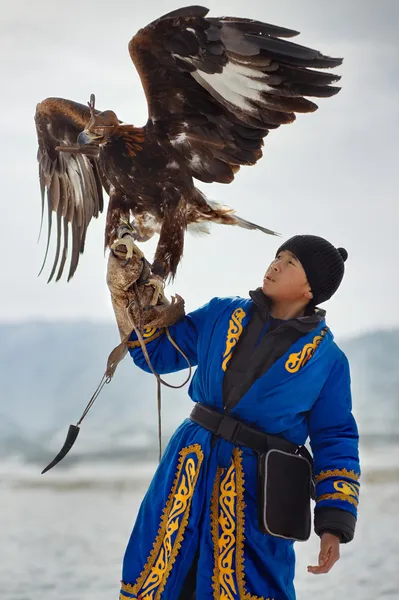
(216, 86)
(72, 181)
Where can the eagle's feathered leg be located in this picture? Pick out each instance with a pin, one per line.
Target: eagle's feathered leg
(171, 236)
(171, 239)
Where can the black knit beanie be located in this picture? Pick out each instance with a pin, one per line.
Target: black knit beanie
(322, 263)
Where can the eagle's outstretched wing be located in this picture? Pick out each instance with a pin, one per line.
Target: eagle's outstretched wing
(72, 180)
(216, 86)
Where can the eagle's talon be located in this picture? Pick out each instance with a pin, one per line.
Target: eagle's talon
(158, 284)
(126, 240)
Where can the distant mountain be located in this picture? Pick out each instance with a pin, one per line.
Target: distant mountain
(48, 372)
(374, 362)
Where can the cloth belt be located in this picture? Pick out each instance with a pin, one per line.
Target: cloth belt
(236, 432)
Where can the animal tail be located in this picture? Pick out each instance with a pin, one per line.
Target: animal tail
(248, 225)
(227, 216)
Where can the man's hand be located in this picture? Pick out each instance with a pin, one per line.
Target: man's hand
(328, 556)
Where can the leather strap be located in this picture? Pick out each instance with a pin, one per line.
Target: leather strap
(236, 432)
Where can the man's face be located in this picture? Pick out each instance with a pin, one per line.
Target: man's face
(285, 279)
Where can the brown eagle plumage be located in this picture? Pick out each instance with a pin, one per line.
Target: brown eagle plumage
(215, 87)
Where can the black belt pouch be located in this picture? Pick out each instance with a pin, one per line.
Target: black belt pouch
(284, 493)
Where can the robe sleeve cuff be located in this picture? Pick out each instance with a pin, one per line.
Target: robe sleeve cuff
(336, 521)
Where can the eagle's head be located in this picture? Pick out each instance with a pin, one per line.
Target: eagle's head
(100, 126)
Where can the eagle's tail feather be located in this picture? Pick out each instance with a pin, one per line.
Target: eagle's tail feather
(226, 215)
(248, 225)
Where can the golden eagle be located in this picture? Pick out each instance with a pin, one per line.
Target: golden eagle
(215, 87)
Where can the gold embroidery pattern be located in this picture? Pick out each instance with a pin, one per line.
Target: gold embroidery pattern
(337, 473)
(227, 538)
(234, 332)
(149, 331)
(174, 519)
(338, 496)
(297, 360)
(227, 522)
(122, 596)
(215, 533)
(136, 343)
(349, 489)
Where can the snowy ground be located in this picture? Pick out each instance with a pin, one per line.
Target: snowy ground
(64, 537)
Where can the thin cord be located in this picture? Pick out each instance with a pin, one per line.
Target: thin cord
(109, 373)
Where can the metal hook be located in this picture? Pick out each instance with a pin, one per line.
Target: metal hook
(72, 434)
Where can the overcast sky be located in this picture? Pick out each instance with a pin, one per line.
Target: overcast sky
(333, 173)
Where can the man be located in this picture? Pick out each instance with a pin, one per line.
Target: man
(269, 376)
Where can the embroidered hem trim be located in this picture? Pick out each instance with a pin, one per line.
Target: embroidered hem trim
(154, 576)
(215, 534)
(227, 512)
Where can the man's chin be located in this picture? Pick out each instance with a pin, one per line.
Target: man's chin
(266, 290)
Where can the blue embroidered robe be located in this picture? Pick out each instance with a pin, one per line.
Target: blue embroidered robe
(205, 496)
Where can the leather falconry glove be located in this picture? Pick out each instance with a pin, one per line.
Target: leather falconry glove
(128, 277)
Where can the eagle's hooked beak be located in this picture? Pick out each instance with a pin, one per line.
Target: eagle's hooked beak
(85, 137)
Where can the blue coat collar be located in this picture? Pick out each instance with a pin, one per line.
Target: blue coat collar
(305, 324)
